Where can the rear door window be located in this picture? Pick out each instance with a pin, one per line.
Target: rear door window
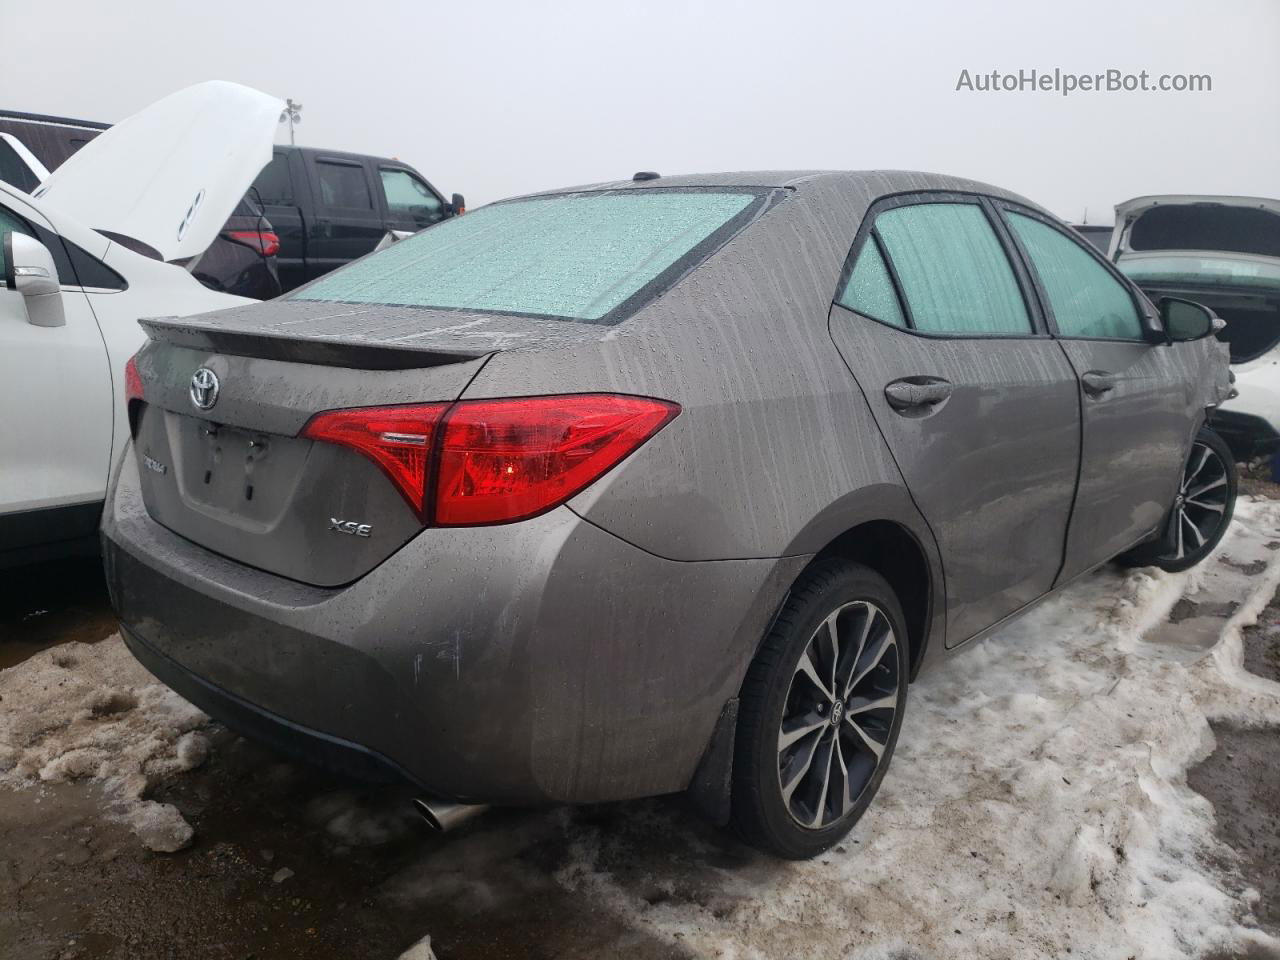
(585, 256)
(1084, 298)
(274, 185)
(408, 198)
(869, 290)
(343, 185)
(953, 270)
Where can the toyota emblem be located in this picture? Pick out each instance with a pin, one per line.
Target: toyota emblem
(204, 388)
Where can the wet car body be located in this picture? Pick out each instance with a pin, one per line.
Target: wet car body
(243, 258)
(595, 651)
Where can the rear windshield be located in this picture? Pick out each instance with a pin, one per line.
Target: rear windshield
(1206, 271)
(590, 257)
(1207, 227)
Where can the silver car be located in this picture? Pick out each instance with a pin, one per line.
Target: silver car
(670, 484)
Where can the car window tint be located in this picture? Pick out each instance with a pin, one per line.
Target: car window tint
(869, 290)
(572, 256)
(954, 273)
(343, 185)
(407, 196)
(11, 223)
(14, 170)
(1086, 300)
(274, 184)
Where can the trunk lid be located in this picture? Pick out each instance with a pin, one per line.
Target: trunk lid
(237, 478)
(1242, 290)
(171, 174)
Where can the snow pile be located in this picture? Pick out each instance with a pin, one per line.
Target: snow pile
(91, 712)
(1037, 805)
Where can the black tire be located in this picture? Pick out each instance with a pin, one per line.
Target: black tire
(871, 673)
(1195, 526)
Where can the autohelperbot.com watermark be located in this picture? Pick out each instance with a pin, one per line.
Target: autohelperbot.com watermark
(1066, 82)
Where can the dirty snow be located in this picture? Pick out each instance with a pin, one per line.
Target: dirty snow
(91, 712)
(1037, 804)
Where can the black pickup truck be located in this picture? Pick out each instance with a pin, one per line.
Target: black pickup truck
(328, 208)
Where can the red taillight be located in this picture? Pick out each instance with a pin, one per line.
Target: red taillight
(132, 381)
(397, 439)
(505, 460)
(496, 461)
(265, 242)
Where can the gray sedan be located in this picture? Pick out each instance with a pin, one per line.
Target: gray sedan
(669, 484)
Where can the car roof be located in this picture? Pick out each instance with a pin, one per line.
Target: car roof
(857, 183)
(340, 154)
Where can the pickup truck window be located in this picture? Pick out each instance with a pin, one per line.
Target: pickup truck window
(274, 184)
(343, 185)
(408, 196)
(586, 256)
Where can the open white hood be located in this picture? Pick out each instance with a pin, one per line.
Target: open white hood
(171, 174)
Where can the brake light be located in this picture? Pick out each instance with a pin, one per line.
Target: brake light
(506, 460)
(132, 381)
(479, 462)
(397, 439)
(266, 242)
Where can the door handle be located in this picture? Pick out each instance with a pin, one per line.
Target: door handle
(912, 393)
(1097, 383)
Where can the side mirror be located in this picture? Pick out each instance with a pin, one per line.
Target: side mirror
(1186, 320)
(459, 204)
(29, 269)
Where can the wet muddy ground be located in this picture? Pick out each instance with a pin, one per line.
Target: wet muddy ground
(289, 862)
(52, 603)
(1242, 780)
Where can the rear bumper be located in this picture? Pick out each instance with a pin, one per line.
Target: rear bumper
(544, 661)
(249, 720)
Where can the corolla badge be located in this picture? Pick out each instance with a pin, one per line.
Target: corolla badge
(204, 388)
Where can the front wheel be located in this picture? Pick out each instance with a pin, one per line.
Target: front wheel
(820, 711)
(1201, 510)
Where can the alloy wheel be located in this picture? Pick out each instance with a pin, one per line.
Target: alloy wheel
(1201, 505)
(838, 714)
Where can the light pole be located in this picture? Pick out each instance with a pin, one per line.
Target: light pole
(293, 113)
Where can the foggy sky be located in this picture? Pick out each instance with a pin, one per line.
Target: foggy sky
(498, 98)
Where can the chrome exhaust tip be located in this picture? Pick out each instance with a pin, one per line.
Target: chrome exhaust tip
(444, 816)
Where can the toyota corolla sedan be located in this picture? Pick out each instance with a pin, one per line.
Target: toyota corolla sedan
(669, 484)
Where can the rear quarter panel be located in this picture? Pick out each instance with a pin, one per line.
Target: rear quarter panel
(773, 429)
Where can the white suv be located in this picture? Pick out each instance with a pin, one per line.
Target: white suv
(163, 181)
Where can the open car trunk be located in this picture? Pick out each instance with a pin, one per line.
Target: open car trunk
(1244, 291)
(1223, 252)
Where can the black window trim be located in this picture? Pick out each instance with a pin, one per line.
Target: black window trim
(290, 176)
(1136, 297)
(383, 165)
(66, 255)
(1038, 331)
(765, 199)
(372, 189)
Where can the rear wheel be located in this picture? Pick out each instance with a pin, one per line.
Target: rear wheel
(820, 712)
(1201, 510)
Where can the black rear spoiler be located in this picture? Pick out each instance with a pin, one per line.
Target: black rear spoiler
(325, 352)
